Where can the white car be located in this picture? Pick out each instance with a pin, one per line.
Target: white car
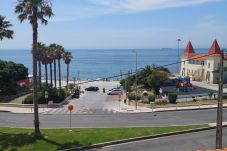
(114, 92)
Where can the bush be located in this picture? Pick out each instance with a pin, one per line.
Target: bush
(132, 96)
(145, 102)
(210, 94)
(29, 99)
(224, 96)
(151, 98)
(172, 98)
(161, 102)
(55, 95)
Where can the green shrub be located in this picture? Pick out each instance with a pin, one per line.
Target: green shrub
(29, 99)
(151, 98)
(210, 94)
(145, 102)
(55, 95)
(132, 96)
(172, 98)
(224, 96)
(161, 102)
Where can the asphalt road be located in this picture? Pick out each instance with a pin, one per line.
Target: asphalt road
(114, 119)
(184, 142)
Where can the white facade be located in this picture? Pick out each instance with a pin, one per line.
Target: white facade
(202, 67)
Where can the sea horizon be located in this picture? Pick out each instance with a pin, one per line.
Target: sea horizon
(102, 63)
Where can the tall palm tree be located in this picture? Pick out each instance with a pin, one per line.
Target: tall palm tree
(5, 32)
(40, 49)
(59, 54)
(50, 61)
(67, 56)
(34, 10)
(45, 61)
(53, 48)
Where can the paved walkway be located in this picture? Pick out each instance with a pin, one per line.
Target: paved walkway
(123, 109)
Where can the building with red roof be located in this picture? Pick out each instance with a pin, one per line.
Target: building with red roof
(201, 67)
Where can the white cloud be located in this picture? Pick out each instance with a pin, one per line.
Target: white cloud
(145, 5)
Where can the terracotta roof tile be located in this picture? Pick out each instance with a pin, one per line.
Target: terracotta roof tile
(214, 49)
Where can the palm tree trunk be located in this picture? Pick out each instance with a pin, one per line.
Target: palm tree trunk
(51, 80)
(34, 57)
(46, 72)
(59, 72)
(67, 76)
(40, 74)
(55, 75)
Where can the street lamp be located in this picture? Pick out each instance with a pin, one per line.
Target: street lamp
(46, 97)
(178, 53)
(136, 76)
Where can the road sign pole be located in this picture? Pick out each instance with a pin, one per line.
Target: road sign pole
(70, 108)
(220, 109)
(70, 118)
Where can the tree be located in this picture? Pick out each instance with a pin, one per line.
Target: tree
(40, 51)
(5, 32)
(10, 74)
(51, 57)
(156, 80)
(34, 10)
(67, 57)
(45, 61)
(58, 53)
(53, 47)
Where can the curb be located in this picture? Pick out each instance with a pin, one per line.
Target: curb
(175, 110)
(100, 145)
(207, 108)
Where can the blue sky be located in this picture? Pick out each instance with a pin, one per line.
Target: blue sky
(110, 24)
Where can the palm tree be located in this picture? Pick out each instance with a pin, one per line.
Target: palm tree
(53, 47)
(67, 56)
(40, 49)
(51, 56)
(34, 10)
(45, 61)
(4, 29)
(58, 53)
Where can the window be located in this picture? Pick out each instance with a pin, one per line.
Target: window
(208, 65)
(202, 63)
(208, 76)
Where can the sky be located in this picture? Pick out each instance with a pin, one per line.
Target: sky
(124, 24)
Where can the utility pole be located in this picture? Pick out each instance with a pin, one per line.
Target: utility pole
(178, 53)
(136, 78)
(220, 105)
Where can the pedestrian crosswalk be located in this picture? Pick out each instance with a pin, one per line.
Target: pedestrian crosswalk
(79, 111)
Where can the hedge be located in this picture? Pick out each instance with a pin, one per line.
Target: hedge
(172, 98)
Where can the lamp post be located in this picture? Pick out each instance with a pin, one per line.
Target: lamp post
(178, 53)
(136, 77)
(46, 97)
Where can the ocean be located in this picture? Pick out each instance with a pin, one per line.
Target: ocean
(100, 63)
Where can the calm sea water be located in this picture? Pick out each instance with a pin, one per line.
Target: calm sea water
(92, 64)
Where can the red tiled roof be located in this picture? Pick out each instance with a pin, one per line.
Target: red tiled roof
(189, 50)
(214, 49)
(198, 56)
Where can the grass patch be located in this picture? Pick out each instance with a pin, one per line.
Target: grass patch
(55, 139)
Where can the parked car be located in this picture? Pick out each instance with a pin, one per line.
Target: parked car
(118, 88)
(114, 92)
(76, 94)
(92, 88)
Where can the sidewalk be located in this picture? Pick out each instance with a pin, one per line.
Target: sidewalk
(21, 109)
(123, 109)
(131, 109)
